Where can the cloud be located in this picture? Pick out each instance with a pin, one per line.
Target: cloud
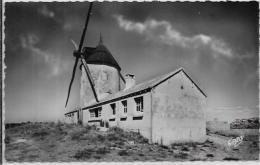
(46, 12)
(53, 62)
(164, 33)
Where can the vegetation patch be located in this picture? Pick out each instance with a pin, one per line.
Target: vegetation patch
(230, 158)
(88, 153)
(72, 142)
(123, 153)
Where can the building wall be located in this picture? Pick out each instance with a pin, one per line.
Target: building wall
(141, 125)
(178, 112)
(72, 118)
(106, 80)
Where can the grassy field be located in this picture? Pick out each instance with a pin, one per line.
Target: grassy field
(58, 142)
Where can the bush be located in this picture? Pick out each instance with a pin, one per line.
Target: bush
(114, 137)
(90, 127)
(181, 155)
(41, 133)
(116, 130)
(230, 158)
(91, 152)
(7, 139)
(185, 148)
(164, 146)
(102, 150)
(123, 153)
(210, 155)
(101, 138)
(76, 135)
(84, 154)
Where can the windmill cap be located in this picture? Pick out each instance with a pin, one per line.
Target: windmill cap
(100, 55)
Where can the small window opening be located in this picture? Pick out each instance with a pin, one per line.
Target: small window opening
(95, 113)
(125, 106)
(113, 106)
(139, 104)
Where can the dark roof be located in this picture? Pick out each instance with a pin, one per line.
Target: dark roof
(140, 88)
(100, 55)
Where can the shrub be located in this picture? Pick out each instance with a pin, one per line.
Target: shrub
(210, 155)
(230, 158)
(91, 152)
(102, 150)
(76, 135)
(123, 153)
(101, 138)
(7, 139)
(116, 130)
(114, 137)
(185, 148)
(181, 155)
(90, 127)
(164, 147)
(84, 154)
(40, 133)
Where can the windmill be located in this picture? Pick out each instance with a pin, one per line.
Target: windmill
(79, 56)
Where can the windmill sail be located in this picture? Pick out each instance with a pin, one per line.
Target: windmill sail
(78, 55)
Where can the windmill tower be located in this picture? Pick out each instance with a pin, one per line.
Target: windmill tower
(105, 72)
(100, 73)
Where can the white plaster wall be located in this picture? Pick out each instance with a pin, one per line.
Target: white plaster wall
(106, 80)
(178, 114)
(72, 119)
(144, 125)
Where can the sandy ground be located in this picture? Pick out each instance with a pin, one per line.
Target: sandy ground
(50, 142)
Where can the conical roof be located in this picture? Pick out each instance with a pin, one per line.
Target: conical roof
(100, 55)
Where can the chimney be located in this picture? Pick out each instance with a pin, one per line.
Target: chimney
(129, 81)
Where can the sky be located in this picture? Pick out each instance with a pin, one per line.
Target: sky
(215, 43)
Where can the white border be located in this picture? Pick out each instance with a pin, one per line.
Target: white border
(102, 163)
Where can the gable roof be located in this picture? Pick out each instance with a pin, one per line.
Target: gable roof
(140, 89)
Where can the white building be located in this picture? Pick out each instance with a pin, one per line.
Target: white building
(167, 109)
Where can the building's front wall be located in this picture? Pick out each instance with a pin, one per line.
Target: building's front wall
(139, 122)
(131, 121)
(178, 111)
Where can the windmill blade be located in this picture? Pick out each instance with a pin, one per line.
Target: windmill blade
(82, 58)
(122, 77)
(74, 44)
(89, 78)
(78, 52)
(72, 78)
(85, 27)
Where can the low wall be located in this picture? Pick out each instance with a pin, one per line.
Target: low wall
(245, 131)
(217, 126)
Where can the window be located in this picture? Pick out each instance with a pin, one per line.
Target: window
(125, 106)
(104, 76)
(139, 104)
(95, 113)
(113, 106)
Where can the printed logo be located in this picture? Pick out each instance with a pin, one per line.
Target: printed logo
(235, 142)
